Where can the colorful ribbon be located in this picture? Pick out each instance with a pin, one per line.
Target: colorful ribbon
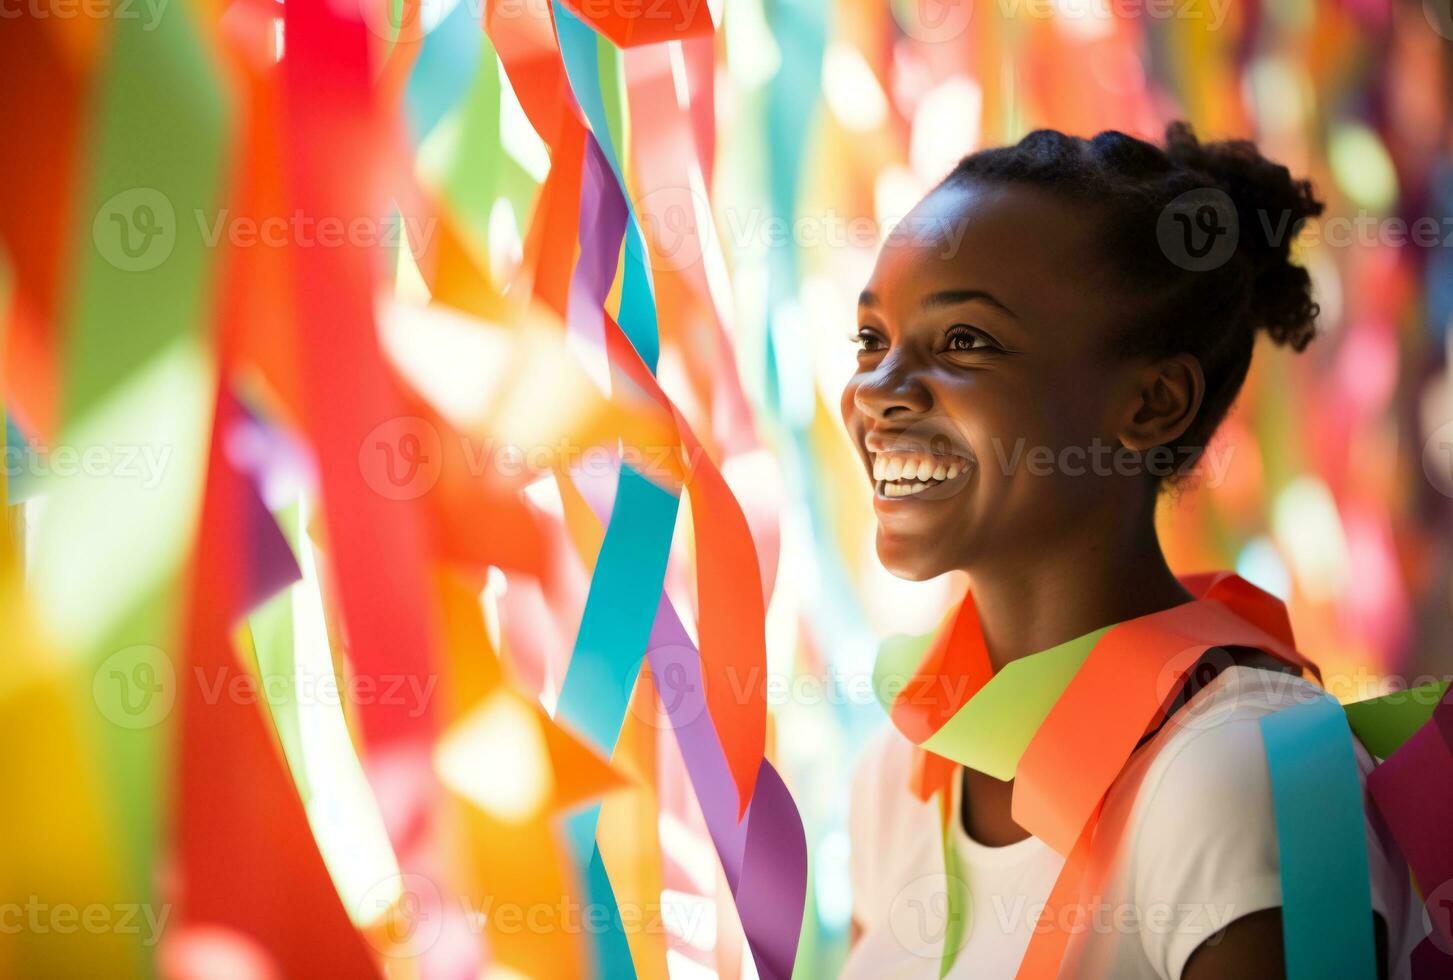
(1063, 722)
(1321, 842)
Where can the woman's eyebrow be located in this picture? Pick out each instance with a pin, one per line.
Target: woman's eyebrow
(951, 297)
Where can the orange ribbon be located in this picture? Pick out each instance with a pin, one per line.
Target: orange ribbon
(1121, 693)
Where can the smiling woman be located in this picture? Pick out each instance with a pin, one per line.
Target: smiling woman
(1049, 340)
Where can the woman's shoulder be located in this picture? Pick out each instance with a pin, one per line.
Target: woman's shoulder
(1195, 804)
(1209, 756)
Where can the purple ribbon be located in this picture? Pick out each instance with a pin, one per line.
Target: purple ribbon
(602, 223)
(765, 856)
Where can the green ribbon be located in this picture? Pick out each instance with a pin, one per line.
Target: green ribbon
(992, 730)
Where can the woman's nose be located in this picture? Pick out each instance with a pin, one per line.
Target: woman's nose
(892, 389)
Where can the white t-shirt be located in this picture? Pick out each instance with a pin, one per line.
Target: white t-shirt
(1200, 851)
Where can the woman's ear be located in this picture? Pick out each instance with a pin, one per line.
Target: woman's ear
(1168, 396)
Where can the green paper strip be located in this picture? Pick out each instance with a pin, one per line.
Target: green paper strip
(956, 889)
(1384, 723)
(135, 403)
(992, 730)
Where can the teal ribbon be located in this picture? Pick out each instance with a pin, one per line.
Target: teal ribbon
(449, 57)
(614, 630)
(619, 609)
(626, 587)
(580, 52)
(1322, 842)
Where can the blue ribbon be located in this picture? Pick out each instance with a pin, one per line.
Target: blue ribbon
(1322, 841)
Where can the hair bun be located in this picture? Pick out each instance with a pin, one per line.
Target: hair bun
(1271, 207)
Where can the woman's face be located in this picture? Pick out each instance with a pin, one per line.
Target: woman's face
(986, 401)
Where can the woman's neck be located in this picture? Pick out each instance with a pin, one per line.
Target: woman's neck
(1031, 602)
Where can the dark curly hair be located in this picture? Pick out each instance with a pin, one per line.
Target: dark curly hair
(1150, 202)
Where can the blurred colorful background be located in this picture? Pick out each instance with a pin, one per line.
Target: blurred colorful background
(432, 549)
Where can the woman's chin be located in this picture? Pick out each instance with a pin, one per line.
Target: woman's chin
(914, 558)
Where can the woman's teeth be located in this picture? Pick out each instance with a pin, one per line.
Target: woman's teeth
(904, 474)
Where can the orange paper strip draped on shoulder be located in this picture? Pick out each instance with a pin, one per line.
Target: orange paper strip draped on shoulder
(1119, 694)
(954, 669)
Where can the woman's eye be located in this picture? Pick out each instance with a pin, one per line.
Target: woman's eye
(867, 340)
(964, 339)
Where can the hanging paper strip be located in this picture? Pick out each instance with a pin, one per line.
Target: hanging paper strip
(242, 836)
(764, 855)
(1321, 841)
(1063, 722)
(332, 140)
(648, 22)
(629, 570)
